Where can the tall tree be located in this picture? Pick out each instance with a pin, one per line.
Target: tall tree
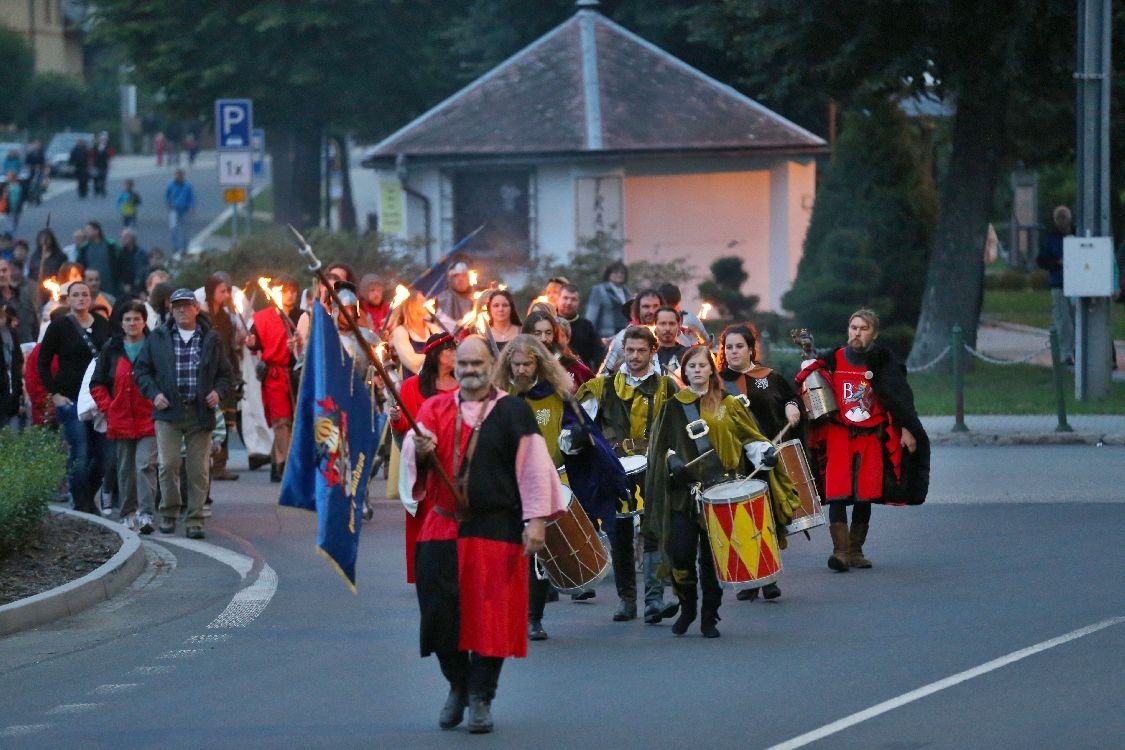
(363, 66)
(15, 74)
(979, 57)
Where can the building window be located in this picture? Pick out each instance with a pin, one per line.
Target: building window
(501, 201)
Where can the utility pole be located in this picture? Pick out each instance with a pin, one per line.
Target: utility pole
(1094, 347)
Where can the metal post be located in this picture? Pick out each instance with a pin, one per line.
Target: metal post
(1057, 372)
(234, 223)
(957, 349)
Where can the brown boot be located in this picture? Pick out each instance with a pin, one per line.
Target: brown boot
(840, 545)
(856, 539)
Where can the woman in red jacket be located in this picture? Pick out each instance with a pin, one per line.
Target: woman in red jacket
(129, 419)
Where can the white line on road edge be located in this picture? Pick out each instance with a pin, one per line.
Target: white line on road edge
(933, 687)
(249, 602)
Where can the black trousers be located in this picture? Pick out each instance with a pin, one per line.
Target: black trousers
(838, 512)
(537, 591)
(689, 547)
(469, 671)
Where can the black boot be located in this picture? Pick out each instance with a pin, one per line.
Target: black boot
(707, 625)
(686, 618)
(747, 595)
(453, 712)
(771, 591)
(480, 715)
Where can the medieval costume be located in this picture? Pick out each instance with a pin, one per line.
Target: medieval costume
(273, 330)
(624, 407)
(471, 573)
(671, 512)
(857, 451)
(767, 393)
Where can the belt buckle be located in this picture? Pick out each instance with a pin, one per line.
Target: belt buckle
(697, 429)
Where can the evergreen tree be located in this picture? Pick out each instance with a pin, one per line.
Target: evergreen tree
(877, 208)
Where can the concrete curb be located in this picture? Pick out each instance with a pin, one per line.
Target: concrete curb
(984, 438)
(97, 586)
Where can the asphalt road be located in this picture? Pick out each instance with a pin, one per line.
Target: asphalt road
(69, 212)
(993, 618)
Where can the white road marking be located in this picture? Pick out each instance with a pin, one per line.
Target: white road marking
(933, 687)
(212, 638)
(162, 669)
(115, 689)
(73, 708)
(180, 654)
(248, 603)
(241, 563)
(23, 730)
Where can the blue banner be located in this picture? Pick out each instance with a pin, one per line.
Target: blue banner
(335, 434)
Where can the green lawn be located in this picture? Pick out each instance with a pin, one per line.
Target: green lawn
(1007, 389)
(1032, 307)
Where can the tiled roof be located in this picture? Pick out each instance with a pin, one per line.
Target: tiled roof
(591, 86)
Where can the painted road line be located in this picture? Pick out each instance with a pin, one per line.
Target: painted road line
(933, 687)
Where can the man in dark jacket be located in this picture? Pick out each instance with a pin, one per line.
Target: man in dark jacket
(183, 369)
(11, 373)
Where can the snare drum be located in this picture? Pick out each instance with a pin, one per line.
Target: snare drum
(575, 555)
(811, 513)
(740, 527)
(635, 468)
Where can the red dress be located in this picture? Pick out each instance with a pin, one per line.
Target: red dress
(273, 336)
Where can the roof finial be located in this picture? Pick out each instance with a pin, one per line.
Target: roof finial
(583, 4)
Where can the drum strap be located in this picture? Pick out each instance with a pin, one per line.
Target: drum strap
(711, 468)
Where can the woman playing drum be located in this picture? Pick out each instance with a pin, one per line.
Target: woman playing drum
(700, 422)
(772, 399)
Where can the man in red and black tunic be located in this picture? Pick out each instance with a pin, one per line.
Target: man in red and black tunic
(469, 558)
(874, 448)
(274, 335)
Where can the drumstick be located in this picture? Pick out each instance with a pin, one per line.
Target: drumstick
(777, 438)
(695, 460)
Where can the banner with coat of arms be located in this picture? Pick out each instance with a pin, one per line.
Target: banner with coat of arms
(336, 432)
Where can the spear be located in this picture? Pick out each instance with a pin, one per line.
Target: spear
(349, 318)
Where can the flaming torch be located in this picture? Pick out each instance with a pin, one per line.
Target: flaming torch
(54, 287)
(273, 294)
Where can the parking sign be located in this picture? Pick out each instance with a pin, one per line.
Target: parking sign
(234, 121)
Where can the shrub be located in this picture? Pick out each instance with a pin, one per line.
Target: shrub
(1008, 279)
(32, 463)
(1039, 280)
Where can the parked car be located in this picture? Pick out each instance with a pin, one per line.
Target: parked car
(59, 148)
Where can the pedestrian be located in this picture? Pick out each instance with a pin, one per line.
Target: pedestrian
(456, 300)
(584, 338)
(75, 339)
(503, 320)
(79, 161)
(624, 404)
(100, 156)
(410, 329)
(669, 348)
(11, 201)
(545, 327)
(183, 370)
(373, 302)
(159, 146)
(642, 312)
(1050, 259)
(672, 516)
(132, 263)
(100, 253)
(873, 449)
(128, 200)
(11, 370)
(604, 308)
(128, 420)
(180, 200)
(23, 299)
(228, 324)
(435, 377)
(46, 257)
(472, 583)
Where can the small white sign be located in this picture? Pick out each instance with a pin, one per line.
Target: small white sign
(1088, 267)
(236, 168)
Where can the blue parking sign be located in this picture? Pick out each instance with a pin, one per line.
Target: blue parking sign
(234, 121)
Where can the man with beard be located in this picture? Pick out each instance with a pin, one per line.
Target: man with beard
(874, 448)
(643, 311)
(527, 370)
(471, 581)
(584, 338)
(669, 348)
(623, 404)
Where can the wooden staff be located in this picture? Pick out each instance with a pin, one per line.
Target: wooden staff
(369, 350)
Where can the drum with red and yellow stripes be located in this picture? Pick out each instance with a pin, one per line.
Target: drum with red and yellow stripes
(741, 529)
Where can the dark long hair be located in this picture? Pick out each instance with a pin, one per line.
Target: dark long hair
(749, 334)
(428, 375)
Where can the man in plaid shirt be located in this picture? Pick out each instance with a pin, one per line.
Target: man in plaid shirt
(182, 367)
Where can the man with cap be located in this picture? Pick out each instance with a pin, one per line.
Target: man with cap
(456, 299)
(182, 368)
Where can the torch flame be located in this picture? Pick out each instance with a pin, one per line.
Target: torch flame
(704, 309)
(431, 306)
(472, 277)
(273, 293)
(53, 287)
(477, 295)
(482, 322)
(539, 299)
(467, 319)
(401, 295)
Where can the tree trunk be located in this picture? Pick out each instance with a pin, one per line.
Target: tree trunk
(347, 202)
(296, 176)
(955, 277)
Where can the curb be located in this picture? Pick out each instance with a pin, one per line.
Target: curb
(985, 437)
(97, 586)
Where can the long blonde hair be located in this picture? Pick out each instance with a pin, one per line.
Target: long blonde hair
(547, 367)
